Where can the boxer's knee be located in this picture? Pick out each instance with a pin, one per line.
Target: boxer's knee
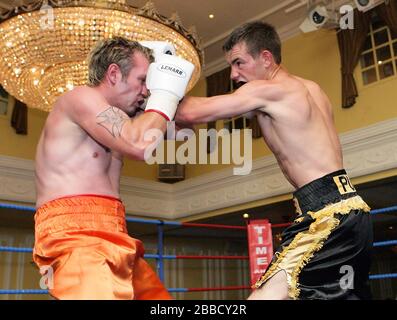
(276, 288)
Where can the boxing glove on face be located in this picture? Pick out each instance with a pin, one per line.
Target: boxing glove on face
(167, 79)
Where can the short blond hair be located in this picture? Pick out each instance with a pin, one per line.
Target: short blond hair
(116, 50)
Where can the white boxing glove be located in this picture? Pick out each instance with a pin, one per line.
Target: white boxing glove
(159, 47)
(167, 79)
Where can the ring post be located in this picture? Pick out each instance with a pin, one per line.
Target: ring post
(160, 249)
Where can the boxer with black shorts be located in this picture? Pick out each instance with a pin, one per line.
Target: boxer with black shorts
(333, 231)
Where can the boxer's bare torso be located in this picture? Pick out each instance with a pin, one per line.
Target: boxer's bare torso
(69, 161)
(299, 130)
(88, 132)
(294, 114)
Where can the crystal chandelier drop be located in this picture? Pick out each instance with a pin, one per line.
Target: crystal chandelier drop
(44, 44)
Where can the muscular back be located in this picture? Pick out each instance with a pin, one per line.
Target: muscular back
(69, 161)
(299, 130)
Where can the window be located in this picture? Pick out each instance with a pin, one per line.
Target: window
(236, 123)
(3, 101)
(239, 122)
(378, 61)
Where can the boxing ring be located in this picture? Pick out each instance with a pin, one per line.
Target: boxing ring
(160, 257)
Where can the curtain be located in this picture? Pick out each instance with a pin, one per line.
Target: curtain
(256, 129)
(351, 42)
(19, 118)
(388, 13)
(217, 84)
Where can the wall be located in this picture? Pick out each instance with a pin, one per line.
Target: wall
(21, 146)
(316, 56)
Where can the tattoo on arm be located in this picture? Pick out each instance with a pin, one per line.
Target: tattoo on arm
(112, 119)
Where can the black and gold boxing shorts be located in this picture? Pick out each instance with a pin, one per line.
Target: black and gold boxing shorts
(326, 252)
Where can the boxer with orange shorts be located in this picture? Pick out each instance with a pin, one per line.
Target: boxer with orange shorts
(84, 239)
(80, 227)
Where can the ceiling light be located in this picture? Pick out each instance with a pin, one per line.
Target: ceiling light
(365, 5)
(318, 17)
(315, 19)
(59, 49)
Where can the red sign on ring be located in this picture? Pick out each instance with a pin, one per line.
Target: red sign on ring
(260, 245)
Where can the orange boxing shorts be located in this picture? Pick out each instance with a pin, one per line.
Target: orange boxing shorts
(83, 240)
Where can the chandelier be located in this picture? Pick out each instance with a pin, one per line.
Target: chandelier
(44, 44)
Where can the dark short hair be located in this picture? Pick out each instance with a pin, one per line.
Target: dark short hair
(258, 36)
(116, 50)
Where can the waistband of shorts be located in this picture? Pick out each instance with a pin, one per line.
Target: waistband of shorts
(80, 211)
(331, 188)
(78, 196)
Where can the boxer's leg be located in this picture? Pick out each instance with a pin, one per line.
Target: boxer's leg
(146, 283)
(90, 273)
(276, 288)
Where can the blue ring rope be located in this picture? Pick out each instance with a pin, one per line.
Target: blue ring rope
(384, 210)
(170, 256)
(159, 222)
(385, 243)
(37, 291)
(18, 207)
(30, 250)
(383, 276)
(26, 291)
